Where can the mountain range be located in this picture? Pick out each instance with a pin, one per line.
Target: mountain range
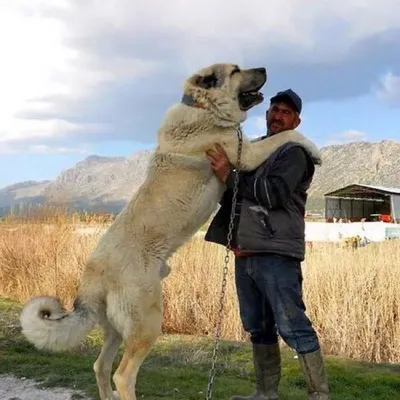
(107, 183)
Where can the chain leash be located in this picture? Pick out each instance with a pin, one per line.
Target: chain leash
(225, 270)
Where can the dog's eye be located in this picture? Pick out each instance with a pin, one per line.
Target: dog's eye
(235, 70)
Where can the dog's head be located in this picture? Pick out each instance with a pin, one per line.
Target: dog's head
(226, 90)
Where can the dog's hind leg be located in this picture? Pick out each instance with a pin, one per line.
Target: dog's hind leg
(137, 347)
(103, 365)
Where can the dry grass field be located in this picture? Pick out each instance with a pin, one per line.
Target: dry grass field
(352, 296)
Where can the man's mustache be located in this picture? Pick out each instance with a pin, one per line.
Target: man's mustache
(274, 121)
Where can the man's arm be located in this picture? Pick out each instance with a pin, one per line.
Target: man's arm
(274, 189)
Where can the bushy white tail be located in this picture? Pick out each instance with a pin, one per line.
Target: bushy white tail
(48, 326)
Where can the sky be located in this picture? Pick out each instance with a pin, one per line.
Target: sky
(94, 77)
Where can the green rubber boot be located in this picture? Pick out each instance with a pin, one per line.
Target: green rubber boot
(313, 368)
(267, 366)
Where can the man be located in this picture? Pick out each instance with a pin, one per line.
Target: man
(269, 246)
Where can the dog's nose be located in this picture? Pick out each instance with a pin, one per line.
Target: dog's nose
(262, 70)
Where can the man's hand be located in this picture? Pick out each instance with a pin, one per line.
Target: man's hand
(219, 162)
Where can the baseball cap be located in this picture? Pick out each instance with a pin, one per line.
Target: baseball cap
(288, 95)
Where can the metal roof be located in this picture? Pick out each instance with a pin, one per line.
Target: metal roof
(361, 190)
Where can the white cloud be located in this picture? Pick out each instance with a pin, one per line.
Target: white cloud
(351, 135)
(18, 148)
(44, 149)
(260, 124)
(37, 66)
(31, 52)
(228, 29)
(389, 89)
(54, 50)
(16, 130)
(254, 127)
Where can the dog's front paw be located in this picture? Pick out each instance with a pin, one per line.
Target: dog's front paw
(292, 136)
(313, 150)
(297, 137)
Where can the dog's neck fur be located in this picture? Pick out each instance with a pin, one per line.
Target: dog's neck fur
(210, 104)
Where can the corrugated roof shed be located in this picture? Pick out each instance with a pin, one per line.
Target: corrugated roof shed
(361, 190)
(389, 190)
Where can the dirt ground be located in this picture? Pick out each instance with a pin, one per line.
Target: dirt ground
(12, 388)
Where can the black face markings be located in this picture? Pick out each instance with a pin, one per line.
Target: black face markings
(207, 81)
(216, 78)
(235, 70)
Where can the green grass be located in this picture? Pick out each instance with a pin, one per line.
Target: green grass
(178, 368)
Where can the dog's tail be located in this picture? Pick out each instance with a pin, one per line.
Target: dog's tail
(47, 325)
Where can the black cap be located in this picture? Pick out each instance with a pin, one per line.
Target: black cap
(288, 96)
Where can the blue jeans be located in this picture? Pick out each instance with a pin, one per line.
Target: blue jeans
(269, 289)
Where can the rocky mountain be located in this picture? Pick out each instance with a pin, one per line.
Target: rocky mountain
(107, 183)
(27, 192)
(100, 183)
(358, 162)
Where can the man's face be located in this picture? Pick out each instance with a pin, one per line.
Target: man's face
(281, 117)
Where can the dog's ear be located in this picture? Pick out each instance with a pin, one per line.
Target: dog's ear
(206, 82)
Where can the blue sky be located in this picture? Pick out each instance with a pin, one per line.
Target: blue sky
(80, 78)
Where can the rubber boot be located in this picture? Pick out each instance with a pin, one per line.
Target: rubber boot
(313, 368)
(267, 366)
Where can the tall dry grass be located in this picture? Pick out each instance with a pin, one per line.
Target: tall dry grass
(353, 297)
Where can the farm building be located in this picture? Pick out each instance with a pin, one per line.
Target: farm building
(359, 202)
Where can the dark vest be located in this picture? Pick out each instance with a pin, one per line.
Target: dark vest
(280, 231)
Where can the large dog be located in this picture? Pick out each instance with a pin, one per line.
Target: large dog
(120, 289)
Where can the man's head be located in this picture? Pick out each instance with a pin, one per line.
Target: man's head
(284, 112)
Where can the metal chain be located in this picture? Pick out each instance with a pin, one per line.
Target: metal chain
(225, 270)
